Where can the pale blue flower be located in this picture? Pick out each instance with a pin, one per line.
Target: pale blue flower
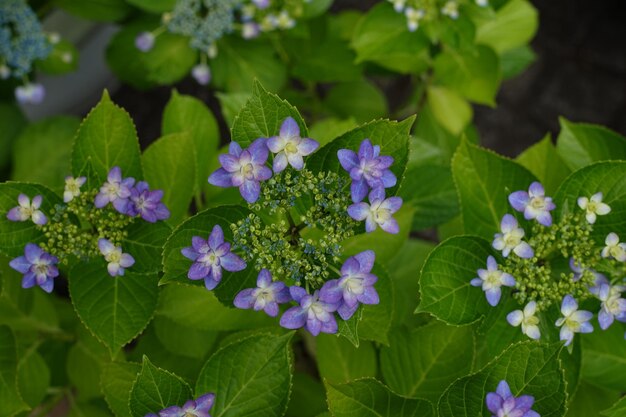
(289, 147)
(117, 261)
(502, 403)
(266, 296)
(511, 239)
(534, 204)
(314, 314)
(612, 306)
(573, 320)
(491, 279)
(27, 210)
(378, 212)
(526, 318)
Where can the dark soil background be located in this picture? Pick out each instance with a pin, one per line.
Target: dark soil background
(579, 73)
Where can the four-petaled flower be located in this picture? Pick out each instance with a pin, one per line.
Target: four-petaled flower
(593, 207)
(27, 210)
(511, 239)
(377, 212)
(117, 260)
(193, 408)
(289, 147)
(413, 17)
(266, 296)
(316, 315)
(244, 169)
(367, 168)
(614, 249)
(502, 403)
(356, 285)
(491, 279)
(146, 203)
(527, 319)
(38, 267)
(613, 306)
(115, 190)
(210, 256)
(30, 93)
(534, 204)
(573, 320)
(72, 188)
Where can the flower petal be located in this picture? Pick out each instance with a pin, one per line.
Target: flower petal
(280, 162)
(220, 178)
(359, 211)
(245, 299)
(348, 159)
(232, 262)
(519, 200)
(289, 128)
(250, 190)
(294, 318)
(307, 146)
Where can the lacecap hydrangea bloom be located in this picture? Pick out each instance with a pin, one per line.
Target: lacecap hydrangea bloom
(298, 256)
(528, 262)
(108, 210)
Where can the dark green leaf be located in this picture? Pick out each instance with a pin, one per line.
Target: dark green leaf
(145, 242)
(359, 99)
(98, 10)
(543, 160)
(604, 358)
(339, 361)
(33, 377)
(117, 381)
(10, 400)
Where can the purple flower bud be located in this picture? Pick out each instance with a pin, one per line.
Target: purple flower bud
(27, 210)
(115, 190)
(314, 314)
(144, 41)
(146, 203)
(266, 296)
(30, 93)
(38, 267)
(201, 73)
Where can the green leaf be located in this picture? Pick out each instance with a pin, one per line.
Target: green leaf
(484, 181)
(240, 62)
(188, 114)
(339, 361)
(156, 389)
(179, 338)
(314, 8)
(449, 109)
(605, 177)
(543, 160)
(117, 380)
(604, 358)
(423, 362)
(515, 25)
(15, 235)
(590, 401)
(231, 104)
(170, 165)
(84, 365)
(445, 288)
(154, 6)
(359, 99)
(350, 328)
(429, 189)
(514, 61)
(376, 318)
(106, 138)
(13, 121)
(176, 266)
(262, 117)
(529, 368)
(145, 242)
(382, 37)
(62, 59)
(308, 398)
(10, 400)
(33, 377)
(582, 144)
(475, 74)
(617, 410)
(114, 309)
(250, 377)
(328, 129)
(369, 398)
(98, 10)
(42, 151)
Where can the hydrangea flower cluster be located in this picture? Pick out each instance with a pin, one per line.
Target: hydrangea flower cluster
(89, 224)
(556, 265)
(193, 408)
(206, 21)
(298, 256)
(421, 11)
(22, 42)
(502, 403)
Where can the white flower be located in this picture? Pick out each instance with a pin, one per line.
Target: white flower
(594, 207)
(511, 239)
(398, 5)
(72, 188)
(491, 279)
(482, 3)
(451, 9)
(117, 260)
(413, 17)
(614, 249)
(27, 210)
(573, 320)
(527, 319)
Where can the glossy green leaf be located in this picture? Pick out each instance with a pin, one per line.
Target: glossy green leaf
(117, 380)
(445, 288)
(84, 365)
(145, 242)
(328, 129)
(543, 160)
(13, 121)
(156, 389)
(114, 309)
(617, 410)
(231, 104)
(182, 339)
(308, 397)
(314, 8)
(604, 358)
(515, 25)
(251, 376)
(529, 368)
(484, 181)
(590, 401)
(376, 318)
(170, 165)
(359, 99)
(370, 398)
(582, 144)
(449, 108)
(423, 362)
(33, 377)
(262, 117)
(339, 361)
(514, 61)
(106, 138)
(10, 400)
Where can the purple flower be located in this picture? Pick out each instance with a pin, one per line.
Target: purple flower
(502, 403)
(534, 204)
(193, 408)
(367, 169)
(201, 73)
(511, 239)
(491, 279)
(378, 212)
(261, 4)
(244, 169)
(146, 203)
(38, 267)
(210, 256)
(356, 285)
(30, 93)
(266, 296)
(117, 261)
(613, 306)
(28, 210)
(314, 314)
(115, 190)
(144, 41)
(289, 147)
(573, 320)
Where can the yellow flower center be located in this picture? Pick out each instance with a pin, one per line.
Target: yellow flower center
(291, 148)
